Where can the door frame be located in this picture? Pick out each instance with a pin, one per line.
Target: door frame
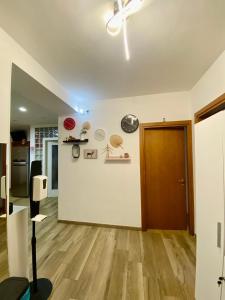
(51, 192)
(4, 166)
(45, 154)
(186, 124)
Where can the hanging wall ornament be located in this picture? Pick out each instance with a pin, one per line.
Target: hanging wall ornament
(116, 141)
(86, 125)
(99, 135)
(69, 123)
(76, 151)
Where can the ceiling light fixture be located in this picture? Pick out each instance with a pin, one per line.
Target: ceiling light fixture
(122, 10)
(22, 108)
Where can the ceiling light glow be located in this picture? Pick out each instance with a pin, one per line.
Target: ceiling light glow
(125, 40)
(121, 13)
(22, 108)
(122, 10)
(114, 25)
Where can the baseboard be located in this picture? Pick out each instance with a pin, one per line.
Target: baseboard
(99, 225)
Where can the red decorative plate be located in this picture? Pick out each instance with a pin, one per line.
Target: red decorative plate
(69, 123)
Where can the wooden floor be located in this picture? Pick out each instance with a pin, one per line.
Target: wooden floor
(3, 250)
(86, 262)
(94, 263)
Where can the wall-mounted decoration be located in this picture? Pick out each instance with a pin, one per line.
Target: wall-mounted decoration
(129, 123)
(117, 159)
(112, 158)
(83, 133)
(108, 150)
(116, 141)
(76, 151)
(126, 155)
(85, 127)
(73, 140)
(90, 153)
(99, 135)
(69, 123)
(122, 157)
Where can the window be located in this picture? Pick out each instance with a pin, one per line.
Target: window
(40, 134)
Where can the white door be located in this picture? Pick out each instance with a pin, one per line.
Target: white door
(52, 168)
(209, 206)
(223, 274)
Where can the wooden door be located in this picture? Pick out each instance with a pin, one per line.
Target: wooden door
(164, 152)
(209, 161)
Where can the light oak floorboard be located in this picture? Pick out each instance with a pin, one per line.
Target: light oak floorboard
(3, 250)
(96, 263)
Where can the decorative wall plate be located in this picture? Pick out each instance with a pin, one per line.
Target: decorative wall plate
(116, 141)
(99, 135)
(69, 123)
(129, 123)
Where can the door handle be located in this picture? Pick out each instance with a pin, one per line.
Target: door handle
(218, 235)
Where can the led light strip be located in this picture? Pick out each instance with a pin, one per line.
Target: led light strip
(119, 21)
(125, 40)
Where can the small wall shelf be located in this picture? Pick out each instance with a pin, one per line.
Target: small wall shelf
(117, 159)
(76, 142)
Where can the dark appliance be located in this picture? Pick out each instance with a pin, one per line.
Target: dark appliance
(20, 171)
(18, 136)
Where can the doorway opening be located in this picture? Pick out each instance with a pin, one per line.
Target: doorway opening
(167, 175)
(34, 125)
(50, 164)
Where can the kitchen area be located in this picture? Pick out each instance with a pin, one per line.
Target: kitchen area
(20, 164)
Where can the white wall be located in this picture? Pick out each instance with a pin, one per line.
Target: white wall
(93, 191)
(210, 86)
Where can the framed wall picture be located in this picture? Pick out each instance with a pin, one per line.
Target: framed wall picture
(90, 153)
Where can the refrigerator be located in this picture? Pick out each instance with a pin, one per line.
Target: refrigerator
(20, 171)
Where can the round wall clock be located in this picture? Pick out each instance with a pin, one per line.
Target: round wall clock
(69, 123)
(99, 135)
(129, 123)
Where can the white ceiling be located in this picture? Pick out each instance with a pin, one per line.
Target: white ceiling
(35, 114)
(43, 107)
(172, 43)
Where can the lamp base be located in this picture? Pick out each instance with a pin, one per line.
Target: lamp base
(44, 289)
